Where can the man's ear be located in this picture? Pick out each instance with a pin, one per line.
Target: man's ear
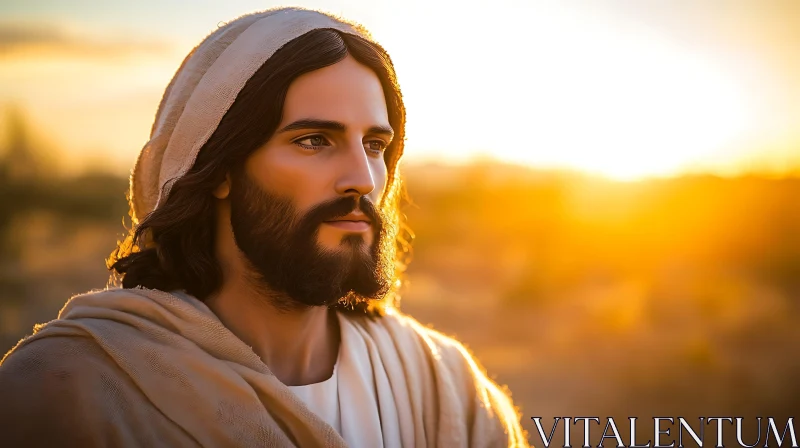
(224, 188)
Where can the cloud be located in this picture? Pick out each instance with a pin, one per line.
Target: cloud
(56, 39)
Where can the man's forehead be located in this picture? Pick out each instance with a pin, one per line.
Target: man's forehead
(345, 91)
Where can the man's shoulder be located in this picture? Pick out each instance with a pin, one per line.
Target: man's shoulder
(492, 413)
(58, 365)
(58, 351)
(440, 346)
(46, 387)
(408, 335)
(67, 391)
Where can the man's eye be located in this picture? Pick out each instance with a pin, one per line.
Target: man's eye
(376, 145)
(313, 141)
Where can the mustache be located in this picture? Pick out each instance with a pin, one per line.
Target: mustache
(339, 207)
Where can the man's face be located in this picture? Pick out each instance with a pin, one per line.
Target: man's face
(303, 209)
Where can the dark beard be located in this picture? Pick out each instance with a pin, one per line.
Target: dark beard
(284, 255)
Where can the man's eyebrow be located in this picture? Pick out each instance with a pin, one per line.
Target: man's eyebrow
(310, 123)
(381, 130)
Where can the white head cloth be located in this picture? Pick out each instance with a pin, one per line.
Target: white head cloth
(203, 89)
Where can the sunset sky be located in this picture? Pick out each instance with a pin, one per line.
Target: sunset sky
(626, 89)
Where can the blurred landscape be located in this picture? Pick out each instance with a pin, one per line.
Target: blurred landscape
(585, 296)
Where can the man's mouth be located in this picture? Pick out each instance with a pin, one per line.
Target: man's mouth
(352, 226)
(353, 222)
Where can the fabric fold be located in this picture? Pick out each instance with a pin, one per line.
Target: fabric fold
(357, 382)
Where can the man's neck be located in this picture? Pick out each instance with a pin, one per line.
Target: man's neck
(300, 346)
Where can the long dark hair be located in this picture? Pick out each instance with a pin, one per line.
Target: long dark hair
(173, 246)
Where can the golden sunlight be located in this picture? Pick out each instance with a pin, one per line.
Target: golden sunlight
(617, 101)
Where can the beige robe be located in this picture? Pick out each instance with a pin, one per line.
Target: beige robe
(140, 367)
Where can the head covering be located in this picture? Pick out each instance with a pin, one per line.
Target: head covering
(205, 86)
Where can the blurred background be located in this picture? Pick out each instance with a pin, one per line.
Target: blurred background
(604, 195)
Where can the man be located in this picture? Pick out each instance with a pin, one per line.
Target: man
(258, 299)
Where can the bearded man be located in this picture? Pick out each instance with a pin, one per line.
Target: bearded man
(258, 298)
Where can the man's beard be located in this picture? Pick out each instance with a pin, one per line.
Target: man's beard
(282, 249)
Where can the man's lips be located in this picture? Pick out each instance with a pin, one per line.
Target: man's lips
(353, 226)
(355, 221)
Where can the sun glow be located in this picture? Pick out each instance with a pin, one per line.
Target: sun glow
(582, 95)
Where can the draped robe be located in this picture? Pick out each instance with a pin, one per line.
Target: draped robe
(141, 367)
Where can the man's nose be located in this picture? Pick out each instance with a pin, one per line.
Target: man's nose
(355, 172)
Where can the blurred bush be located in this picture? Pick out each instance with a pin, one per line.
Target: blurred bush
(54, 231)
(664, 297)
